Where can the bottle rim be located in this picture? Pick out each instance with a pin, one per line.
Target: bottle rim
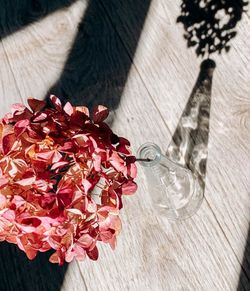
(150, 151)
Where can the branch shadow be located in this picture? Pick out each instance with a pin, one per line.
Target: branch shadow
(210, 24)
(189, 143)
(98, 65)
(95, 72)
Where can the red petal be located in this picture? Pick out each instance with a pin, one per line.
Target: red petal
(8, 142)
(36, 105)
(56, 102)
(93, 254)
(100, 113)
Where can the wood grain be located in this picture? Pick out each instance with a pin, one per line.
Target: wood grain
(202, 253)
(38, 52)
(170, 81)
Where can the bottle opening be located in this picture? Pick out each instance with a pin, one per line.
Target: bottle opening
(149, 154)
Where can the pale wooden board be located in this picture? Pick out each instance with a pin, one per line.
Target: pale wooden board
(37, 53)
(152, 253)
(170, 81)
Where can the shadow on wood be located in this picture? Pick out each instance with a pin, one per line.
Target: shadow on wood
(17, 272)
(244, 280)
(95, 73)
(98, 64)
(190, 140)
(210, 25)
(15, 14)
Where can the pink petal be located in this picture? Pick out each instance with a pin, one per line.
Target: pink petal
(46, 156)
(117, 162)
(40, 116)
(9, 215)
(81, 139)
(21, 126)
(3, 182)
(129, 188)
(132, 170)
(68, 108)
(17, 107)
(56, 157)
(85, 241)
(30, 252)
(59, 165)
(3, 201)
(26, 182)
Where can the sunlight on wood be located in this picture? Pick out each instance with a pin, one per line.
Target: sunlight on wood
(38, 52)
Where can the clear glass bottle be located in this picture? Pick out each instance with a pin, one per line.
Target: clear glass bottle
(175, 191)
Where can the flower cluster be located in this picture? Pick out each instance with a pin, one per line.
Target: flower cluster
(62, 177)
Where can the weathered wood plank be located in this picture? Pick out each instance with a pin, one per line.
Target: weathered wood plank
(152, 253)
(37, 53)
(169, 70)
(28, 67)
(9, 92)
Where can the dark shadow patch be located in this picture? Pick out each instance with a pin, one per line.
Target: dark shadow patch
(210, 24)
(95, 73)
(98, 65)
(17, 272)
(16, 14)
(244, 280)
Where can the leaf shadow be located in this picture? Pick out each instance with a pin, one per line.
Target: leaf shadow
(210, 24)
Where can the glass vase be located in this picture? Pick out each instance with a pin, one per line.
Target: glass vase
(175, 191)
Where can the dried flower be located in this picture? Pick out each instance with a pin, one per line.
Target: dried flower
(62, 177)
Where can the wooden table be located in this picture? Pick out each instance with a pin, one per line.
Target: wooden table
(131, 56)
